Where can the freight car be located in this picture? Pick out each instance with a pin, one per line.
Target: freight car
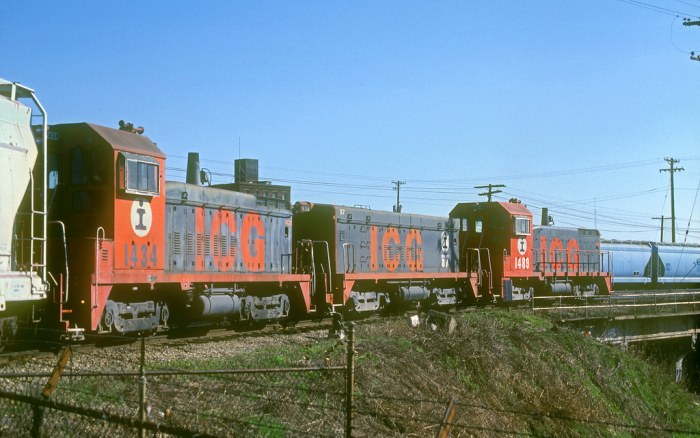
(22, 213)
(653, 265)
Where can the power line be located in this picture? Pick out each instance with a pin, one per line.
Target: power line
(436, 194)
(654, 8)
(692, 5)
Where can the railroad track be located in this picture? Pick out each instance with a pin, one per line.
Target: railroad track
(42, 345)
(41, 349)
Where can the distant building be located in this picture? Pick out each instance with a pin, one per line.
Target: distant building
(246, 181)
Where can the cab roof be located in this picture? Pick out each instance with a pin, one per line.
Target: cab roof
(119, 140)
(467, 208)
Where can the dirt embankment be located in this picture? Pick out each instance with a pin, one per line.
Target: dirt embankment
(513, 373)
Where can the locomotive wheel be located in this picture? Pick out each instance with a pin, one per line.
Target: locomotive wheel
(108, 320)
(165, 314)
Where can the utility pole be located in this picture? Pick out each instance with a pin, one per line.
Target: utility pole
(689, 22)
(662, 219)
(595, 214)
(398, 184)
(490, 191)
(672, 170)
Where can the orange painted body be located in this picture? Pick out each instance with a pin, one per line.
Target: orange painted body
(116, 234)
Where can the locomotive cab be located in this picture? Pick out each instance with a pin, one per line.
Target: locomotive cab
(495, 242)
(105, 186)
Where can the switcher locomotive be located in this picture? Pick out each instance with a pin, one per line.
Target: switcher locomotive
(109, 246)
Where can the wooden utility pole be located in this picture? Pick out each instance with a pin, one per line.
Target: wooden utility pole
(398, 184)
(490, 191)
(662, 219)
(672, 170)
(689, 22)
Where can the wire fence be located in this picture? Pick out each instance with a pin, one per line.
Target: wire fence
(307, 400)
(395, 381)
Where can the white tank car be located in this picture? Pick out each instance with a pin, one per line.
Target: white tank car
(20, 281)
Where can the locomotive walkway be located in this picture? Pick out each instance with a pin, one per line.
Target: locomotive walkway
(627, 317)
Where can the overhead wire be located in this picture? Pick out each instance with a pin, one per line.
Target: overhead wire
(427, 192)
(692, 5)
(570, 211)
(460, 181)
(692, 209)
(673, 43)
(655, 8)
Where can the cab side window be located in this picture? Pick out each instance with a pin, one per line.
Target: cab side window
(138, 174)
(522, 226)
(53, 170)
(78, 167)
(98, 166)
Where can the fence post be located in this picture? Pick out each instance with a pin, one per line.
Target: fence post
(37, 420)
(350, 380)
(142, 389)
(448, 420)
(49, 388)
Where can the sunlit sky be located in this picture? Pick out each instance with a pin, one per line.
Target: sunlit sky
(571, 105)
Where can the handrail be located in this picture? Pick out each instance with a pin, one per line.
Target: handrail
(99, 238)
(654, 300)
(564, 259)
(347, 247)
(328, 259)
(65, 254)
(18, 90)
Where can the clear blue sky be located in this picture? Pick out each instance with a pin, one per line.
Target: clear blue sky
(572, 105)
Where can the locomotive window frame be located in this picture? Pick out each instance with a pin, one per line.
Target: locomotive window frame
(53, 174)
(521, 226)
(138, 174)
(78, 166)
(464, 224)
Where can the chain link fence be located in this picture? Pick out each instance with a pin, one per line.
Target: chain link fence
(225, 396)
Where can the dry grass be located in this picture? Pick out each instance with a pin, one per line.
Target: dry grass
(511, 373)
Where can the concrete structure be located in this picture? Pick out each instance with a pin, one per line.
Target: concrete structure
(246, 181)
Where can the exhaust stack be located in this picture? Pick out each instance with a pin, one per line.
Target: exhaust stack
(193, 169)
